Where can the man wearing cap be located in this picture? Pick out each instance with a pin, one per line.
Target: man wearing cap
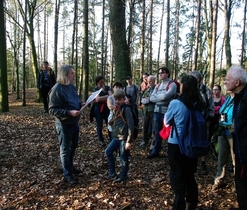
(132, 93)
(161, 96)
(46, 80)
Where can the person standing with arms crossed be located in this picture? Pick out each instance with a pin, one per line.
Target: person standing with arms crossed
(161, 97)
(148, 110)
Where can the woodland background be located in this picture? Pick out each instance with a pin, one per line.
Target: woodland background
(115, 39)
(118, 38)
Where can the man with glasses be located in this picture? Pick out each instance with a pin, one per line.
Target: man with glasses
(161, 96)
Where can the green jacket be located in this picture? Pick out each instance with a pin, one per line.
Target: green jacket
(150, 106)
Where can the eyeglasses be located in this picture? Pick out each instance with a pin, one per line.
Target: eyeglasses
(162, 73)
(216, 89)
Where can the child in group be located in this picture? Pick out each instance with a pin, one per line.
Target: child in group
(112, 105)
(122, 135)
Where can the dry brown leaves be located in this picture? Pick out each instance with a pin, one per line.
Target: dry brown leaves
(31, 178)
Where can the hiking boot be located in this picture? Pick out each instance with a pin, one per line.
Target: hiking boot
(218, 186)
(71, 180)
(121, 179)
(76, 170)
(112, 176)
(101, 142)
(152, 155)
(143, 144)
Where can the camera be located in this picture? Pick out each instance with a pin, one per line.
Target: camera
(223, 117)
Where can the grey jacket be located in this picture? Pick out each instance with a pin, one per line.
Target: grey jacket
(162, 97)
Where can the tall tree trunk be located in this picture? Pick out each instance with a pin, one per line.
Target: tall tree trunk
(45, 35)
(75, 23)
(142, 44)
(167, 33)
(150, 40)
(209, 22)
(214, 37)
(198, 23)
(176, 42)
(121, 52)
(227, 16)
(160, 36)
(4, 102)
(130, 32)
(56, 18)
(102, 39)
(85, 50)
(243, 50)
(24, 57)
(131, 23)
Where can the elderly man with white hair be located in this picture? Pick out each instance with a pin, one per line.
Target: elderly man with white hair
(236, 81)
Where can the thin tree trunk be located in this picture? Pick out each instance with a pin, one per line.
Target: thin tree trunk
(85, 50)
(208, 21)
(213, 55)
(24, 58)
(102, 39)
(198, 23)
(227, 15)
(143, 30)
(45, 36)
(74, 32)
(160, 36)
(167, 33)
(4, 103)
(56, 18)
(176, 42)
(150, 41)
(243, 51)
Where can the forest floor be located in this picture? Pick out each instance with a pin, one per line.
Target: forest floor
(31, 178)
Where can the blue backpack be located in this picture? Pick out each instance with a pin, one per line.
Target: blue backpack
(193, 141)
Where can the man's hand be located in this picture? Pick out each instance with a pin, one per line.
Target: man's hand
(127, 146)
(74, 113)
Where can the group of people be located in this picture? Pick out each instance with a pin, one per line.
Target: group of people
(160, 106)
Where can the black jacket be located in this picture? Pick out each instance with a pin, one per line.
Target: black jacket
(240, 125)
(52, 78)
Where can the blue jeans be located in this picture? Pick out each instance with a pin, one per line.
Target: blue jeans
(112, 147)
(68, 140)
(158, 125)
(100, 116)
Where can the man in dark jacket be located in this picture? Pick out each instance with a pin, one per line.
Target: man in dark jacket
(46, 80)
(236, 81)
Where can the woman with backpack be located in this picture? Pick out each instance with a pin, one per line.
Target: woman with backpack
(183, 168)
